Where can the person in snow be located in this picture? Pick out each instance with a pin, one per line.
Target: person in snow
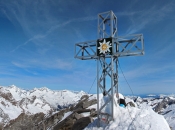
(122, 102)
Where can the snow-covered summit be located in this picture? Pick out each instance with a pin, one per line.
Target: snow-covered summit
(130, 118)
(133, 119)
(163, 105)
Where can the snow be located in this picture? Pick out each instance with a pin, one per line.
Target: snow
(14, 101)
(127, 100)
(65, 115)
(65, 97)
(151, 95)
(36, 107)
(130, 118)
(167, 111)
(15, 92)
(172, 98)
(170, 116)
(86, 114)
(10, 109)
(121, 96)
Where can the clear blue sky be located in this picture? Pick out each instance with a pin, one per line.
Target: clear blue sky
(37, 43)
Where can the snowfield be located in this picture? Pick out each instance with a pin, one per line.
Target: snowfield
(133, 119)
(130, 118)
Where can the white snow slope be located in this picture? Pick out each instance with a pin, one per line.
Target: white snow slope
(166, 104)
(131, 118)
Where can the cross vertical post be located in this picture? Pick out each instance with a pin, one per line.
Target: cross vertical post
(107, 28)
(106, 50)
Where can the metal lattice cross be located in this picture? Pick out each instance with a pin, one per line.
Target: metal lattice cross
(106, 50)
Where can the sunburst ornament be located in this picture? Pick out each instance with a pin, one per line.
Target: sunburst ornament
(104, 47)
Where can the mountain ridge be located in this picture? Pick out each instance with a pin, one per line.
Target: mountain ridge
(17, 104)
(33, 101)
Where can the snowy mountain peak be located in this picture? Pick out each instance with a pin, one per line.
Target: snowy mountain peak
(42, 89)
(14, 101)
(14, 88)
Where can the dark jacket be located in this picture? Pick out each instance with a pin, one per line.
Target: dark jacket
(122, 101)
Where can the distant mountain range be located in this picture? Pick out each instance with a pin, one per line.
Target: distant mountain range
(16, 102)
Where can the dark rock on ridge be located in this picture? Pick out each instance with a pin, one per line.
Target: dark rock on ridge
(163, 104)
(25, 122)
(82, 123)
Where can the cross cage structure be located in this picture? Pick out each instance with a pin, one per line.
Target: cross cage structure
(106, 49)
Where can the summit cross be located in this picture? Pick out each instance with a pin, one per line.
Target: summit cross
(106, 49)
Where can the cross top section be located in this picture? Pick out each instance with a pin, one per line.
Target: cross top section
(108, 43)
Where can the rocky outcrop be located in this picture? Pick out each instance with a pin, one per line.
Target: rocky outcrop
(25, 122)
(82, 123)
(163, 104)
(8, 96)
(76, 119)
(131, 104)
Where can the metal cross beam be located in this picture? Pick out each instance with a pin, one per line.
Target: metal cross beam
(130, 45)
(106, 50)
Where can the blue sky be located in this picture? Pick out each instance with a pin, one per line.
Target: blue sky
(37, 43)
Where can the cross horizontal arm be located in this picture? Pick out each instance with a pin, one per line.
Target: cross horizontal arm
(86, 50)
(130, 45)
